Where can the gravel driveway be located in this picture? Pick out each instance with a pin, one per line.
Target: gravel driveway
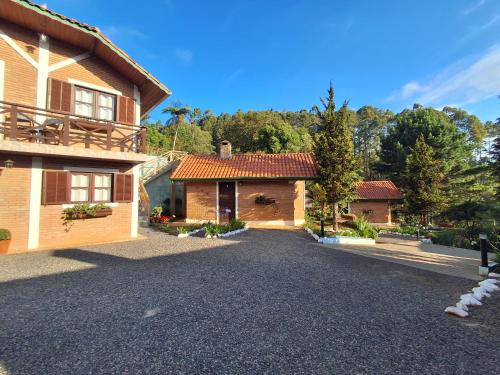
(264, 301)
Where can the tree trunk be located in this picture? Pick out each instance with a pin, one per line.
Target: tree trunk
(335, 211)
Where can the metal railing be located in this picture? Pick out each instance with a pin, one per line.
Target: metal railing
(23, 123)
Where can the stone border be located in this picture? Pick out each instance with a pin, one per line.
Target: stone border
(473, 298)
(184, 235)
(232, 233)
(343, 240)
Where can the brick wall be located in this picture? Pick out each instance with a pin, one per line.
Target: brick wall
(381, 211)
(110, 228)
(287, 197)
(20, 75)
(14, 199)
(201, 200)
(97, 72)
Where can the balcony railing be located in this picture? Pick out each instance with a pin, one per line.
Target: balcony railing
(30, 124)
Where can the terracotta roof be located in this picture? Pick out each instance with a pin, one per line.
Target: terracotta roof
(247, 166)
(378, 190)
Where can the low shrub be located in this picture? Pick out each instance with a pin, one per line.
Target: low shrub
(214, 230)
(4, 234)
(451, 237)
(157, 216)
(364, 228)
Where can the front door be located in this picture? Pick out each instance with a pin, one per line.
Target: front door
(227, 201)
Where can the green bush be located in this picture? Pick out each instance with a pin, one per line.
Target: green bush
(364, 228)
(182, 230)
(451, 237)
(4, 234)
(218, 229)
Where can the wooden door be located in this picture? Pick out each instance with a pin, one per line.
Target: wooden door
(227, 201)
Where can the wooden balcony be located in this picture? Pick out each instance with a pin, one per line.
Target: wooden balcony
(29, 124)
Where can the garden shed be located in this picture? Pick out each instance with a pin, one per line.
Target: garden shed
(264, 190)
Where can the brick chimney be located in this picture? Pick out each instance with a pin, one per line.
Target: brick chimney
(225, 150)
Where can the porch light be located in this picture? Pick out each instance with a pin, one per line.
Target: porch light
(9, 164)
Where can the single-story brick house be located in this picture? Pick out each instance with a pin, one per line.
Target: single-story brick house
(260, 189)
(374, 202)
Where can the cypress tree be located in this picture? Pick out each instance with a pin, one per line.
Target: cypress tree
(334, 151)
(425, 176)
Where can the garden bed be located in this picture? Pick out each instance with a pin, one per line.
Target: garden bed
(338, 239)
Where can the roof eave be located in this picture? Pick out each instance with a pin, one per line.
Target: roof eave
(95, 33)
(267, 178)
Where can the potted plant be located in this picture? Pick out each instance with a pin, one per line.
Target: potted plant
(5, 237)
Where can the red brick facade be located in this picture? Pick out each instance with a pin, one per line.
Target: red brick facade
(288, 209)
(377, 212)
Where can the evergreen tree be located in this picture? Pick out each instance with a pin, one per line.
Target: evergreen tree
(424, 175)
(334, 151)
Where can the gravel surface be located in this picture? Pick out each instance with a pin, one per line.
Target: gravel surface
(262, 301)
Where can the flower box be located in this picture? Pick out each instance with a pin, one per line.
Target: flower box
(99, 213)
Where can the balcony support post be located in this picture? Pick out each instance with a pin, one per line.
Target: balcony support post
(13, 123)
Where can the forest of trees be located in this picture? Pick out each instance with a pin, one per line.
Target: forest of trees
(446, 157)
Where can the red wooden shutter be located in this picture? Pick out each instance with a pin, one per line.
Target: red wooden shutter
(126, 110)
(56, 187)
(60, 95)
(123, 188)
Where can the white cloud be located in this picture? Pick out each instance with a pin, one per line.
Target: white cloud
(185, 56)
(473, 7)
(407, 91)
(230, 78)
(462, 83)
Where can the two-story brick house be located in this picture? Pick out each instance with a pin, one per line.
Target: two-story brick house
(70, 108)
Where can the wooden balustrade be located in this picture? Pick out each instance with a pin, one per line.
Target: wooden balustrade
(30, 124)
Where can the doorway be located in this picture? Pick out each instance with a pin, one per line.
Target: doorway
(227, 201)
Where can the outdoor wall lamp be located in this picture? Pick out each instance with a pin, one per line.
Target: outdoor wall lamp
(9, 164)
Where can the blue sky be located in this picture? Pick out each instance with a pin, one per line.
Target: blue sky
(261, 54)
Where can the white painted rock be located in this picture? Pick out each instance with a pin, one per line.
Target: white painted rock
(478, 293)
(462, 306)
(490, 287)
(469, 300)
(488, 282)
(453, 310)
(493, 274)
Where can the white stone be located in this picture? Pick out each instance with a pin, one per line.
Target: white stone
(456, 311)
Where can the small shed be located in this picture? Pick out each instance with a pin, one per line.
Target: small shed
(374, 202)
(260, 189)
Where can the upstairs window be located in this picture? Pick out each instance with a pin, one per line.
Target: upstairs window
(94, 104)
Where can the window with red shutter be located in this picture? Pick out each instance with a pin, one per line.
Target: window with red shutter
(126, 110)
(60, 95)
(56, 187)
(123, 187)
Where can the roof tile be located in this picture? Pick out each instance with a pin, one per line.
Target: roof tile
(202, 167)
(378, 190)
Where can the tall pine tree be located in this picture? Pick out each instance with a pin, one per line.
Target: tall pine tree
(424, 175)
(334, 151)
